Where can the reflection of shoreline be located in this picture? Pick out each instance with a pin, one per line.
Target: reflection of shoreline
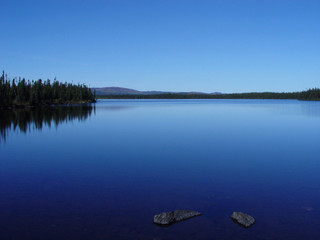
(279, 106)
(116, 108)
(26, 120)
(311, 109)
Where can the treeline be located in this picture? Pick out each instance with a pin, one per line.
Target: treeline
(28, 119)
(254, 95)
(311, 94)
(20, 92)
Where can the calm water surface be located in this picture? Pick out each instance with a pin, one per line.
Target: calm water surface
(102, 172)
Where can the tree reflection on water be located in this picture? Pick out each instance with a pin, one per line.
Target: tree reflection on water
(25, 120)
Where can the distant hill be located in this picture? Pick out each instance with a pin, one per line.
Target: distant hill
(116, 91)
(128, 91)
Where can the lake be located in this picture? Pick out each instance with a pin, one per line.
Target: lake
(102, 171)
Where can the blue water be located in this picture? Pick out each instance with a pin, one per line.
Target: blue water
(102, 172)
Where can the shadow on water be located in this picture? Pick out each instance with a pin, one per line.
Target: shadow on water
(26, 120)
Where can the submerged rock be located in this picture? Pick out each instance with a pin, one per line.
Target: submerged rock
(168, 218)
(243, 219)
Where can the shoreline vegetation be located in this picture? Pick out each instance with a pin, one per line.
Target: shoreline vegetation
(20, 93)
(308, 95)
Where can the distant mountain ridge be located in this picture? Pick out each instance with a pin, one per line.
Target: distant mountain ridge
(128, 91)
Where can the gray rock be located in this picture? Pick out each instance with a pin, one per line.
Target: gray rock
(243, 219)
(168, 218)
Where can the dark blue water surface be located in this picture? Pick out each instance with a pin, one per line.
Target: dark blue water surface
(102, 172)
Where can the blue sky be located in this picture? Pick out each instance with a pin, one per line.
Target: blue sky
(169, 45)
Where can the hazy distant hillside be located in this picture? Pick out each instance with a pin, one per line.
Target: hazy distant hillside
(115, 91)
(128, 91)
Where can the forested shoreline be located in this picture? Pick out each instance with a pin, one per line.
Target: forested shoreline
(21, 92)
(311, 94)
(205, 96)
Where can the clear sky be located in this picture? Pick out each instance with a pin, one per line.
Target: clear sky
(168, 45)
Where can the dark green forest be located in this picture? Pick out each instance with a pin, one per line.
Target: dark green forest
(311, 94)
(20, 92)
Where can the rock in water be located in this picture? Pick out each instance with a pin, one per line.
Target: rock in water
(168, 218)
(243, 219)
